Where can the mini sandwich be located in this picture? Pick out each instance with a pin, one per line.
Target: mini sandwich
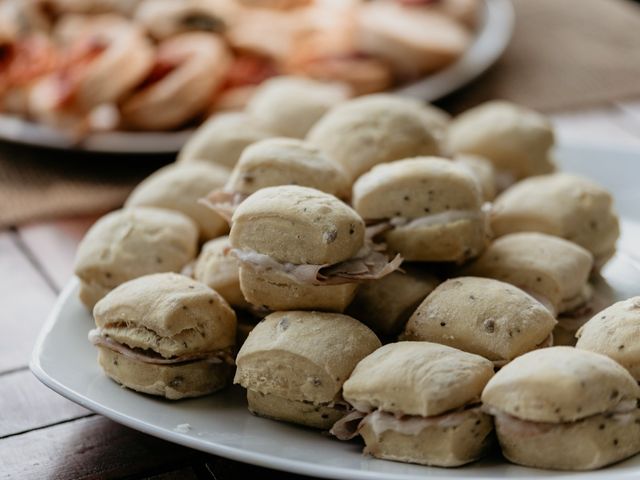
(221, 140)
(279, 161)
(129, 243)
(373, 129)
(385, 305)
(551, 269)
(560, 204)
(165, 334)
(563, 408)
(165, 18)
(426, 208)
(517, 140)
(615, 332)
(179, 187)
(419, 402)
(413, 39)
(290, 106)
(302, 249)
(293, 365)
(483, 316)
(220, 270)
(483, 171)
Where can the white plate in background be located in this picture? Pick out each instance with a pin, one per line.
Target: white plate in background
(491, 39)
(65, 361)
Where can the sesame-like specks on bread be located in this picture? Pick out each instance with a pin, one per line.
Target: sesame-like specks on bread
(560, 384)
(417, 378)
(615, 332)
(550, 268)
(516, 139)
(179, 187)
(287, 161)
(483, 316)
(129, 243)
(369, 130)
(303, 355)
(561, 204)
(299, 225)
(414, 188)
(167, 313)
(221, 140)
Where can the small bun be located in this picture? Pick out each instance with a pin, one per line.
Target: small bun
(287, 161)
(290, 106)
(434, 206)
(218, 269)
(615, 332)
(586, 444)
(129, 243)
(415, 187)
(294, 411)
(221, 140)
(483, 171)
(483, 316)
(274, 290)
(552, 269)
(168, 313)
(190, 379)
(560, 204)
(517, 140)
(179, 187)
(559, 384)
(417, 378)
(369, 130)
(386, 304)
(450, 440)
(303, 356)
(299, 225)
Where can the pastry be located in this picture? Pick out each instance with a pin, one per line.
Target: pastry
(188, 69)
(560, 204)
(483, 316)
(165, 334)
(517, 140)
(551, 269)
(126, 244)
(369, 130)
(385, 305)
(419, 403)
(302, 249)
(293, 365)
(427, 209)
(290, 106)
(179, 187)
(221, 140)
(615, 332)
(563, 408)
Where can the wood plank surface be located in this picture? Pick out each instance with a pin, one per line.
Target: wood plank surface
(26, 302)
(53, 245)
(88, 448)
(26, 404)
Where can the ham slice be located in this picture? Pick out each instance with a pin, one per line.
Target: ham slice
(148, 356)
(223, 203)
(348, 427)
(378, 227)
(368, 264)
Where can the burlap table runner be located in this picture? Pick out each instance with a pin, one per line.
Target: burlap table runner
(564, 54)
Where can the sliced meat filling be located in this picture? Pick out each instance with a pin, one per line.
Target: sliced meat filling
(97, 338)
(368, 264)
(349, 426)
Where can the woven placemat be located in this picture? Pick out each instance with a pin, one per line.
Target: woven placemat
(565, 54)
(38, 184)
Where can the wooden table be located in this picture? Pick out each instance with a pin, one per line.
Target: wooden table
(43, 435)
